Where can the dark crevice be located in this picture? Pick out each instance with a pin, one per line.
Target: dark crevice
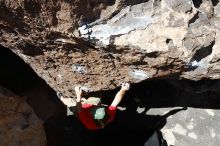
(21, 79)
(215, 2)
(156, 3)
(15, 74)
(152, 54)
(194, 18)
(110, 2)
(135, 2)
(197, 3)
(32, 6)
(204, 85)
(8, 17)
(31, 50)
(24, 126)
(168, 41)
(112, 15)
(203, 52)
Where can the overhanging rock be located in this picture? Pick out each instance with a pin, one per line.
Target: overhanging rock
(99, 44)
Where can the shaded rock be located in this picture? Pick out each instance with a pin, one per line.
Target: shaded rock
(195, 126)
(18, 123)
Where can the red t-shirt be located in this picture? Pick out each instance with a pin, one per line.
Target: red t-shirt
(87, 119)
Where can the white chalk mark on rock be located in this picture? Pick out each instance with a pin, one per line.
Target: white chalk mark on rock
(212, 133)
(179, 129)
(86, 89)
(78, 68)
(60, 76)
(190, 126)
(192, 135)
(210, 112)
(140, 110)
(194, 63)
(138, 74)
(169, 136)
(122, 23)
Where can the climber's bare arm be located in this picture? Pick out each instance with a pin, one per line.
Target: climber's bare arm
(79, 93)
(69, 102)
(119, 96)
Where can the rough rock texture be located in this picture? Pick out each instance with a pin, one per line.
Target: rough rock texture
(99, 44)
(197, 127)
(18, 123)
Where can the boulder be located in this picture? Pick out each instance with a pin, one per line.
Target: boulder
(19, 125)
(99, 44)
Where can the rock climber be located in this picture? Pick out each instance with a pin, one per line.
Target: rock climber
(94, 116)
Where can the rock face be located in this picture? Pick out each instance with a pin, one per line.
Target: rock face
(195, 126)
(18, 123)
(99, 44)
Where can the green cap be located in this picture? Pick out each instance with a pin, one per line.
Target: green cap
(98, 113)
